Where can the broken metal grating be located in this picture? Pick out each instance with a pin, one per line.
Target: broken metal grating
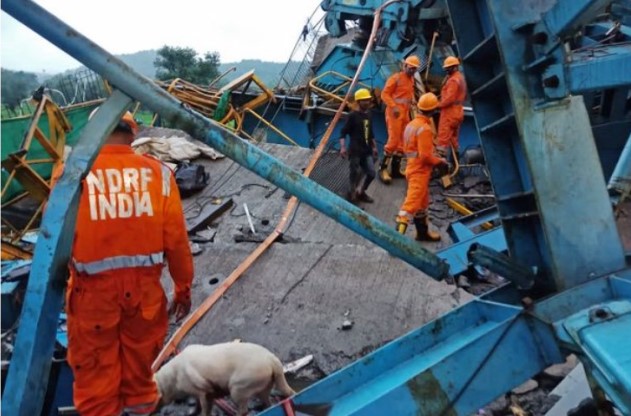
(331, 171)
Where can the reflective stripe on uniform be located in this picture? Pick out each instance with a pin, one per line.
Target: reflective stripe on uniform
(411, 131)
(411, 154)
(166, 180)
(402, 100)
(119, 262)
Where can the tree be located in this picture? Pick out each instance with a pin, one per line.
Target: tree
(178, 62)
(16, 86)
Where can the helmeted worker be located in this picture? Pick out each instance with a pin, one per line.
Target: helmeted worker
(129, 223)
(398, 95)
(452, 96)
(361, 149)
(419, 150)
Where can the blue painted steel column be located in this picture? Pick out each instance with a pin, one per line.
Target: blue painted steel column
(542, 191)
(247, 155)
(621, 177)
(31, 360)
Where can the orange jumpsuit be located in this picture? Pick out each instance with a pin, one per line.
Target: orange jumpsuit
(398, 92)
(452, 97)
(129, 223)
(419, 150)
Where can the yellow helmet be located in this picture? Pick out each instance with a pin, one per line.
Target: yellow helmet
(451, 61)
(428, 102)
(413, 61)
(362, 94)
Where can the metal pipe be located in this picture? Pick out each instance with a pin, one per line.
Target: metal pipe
(522, 276)
(269, 125)
(621, 177)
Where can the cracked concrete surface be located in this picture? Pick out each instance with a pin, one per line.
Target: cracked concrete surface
(294, 299)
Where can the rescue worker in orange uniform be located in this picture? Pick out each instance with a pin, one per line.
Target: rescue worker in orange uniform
(398, 95)
(419, 150)
(129, 224)
(452, 96)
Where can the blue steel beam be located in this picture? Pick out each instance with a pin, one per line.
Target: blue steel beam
(451, 366)
(456, 254)
(31, 360)
(621, 176)
(567, 16)
(523, 277)
(594, 321)
(460, 362)
(600, 68)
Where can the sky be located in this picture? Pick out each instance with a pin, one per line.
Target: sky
(236, 29)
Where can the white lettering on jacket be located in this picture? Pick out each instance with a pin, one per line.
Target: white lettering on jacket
(119, 193)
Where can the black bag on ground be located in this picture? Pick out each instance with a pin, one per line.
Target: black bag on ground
(191, 178)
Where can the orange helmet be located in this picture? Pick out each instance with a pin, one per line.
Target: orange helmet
(127, 122)
(451, 61)
(428, 102)
(413, 61)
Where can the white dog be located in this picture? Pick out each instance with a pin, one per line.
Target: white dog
(241, 370)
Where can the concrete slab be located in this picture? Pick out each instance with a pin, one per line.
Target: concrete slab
(296, 297)
(572, 390)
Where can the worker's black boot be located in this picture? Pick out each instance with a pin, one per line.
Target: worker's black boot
(384, 170)
(423, 233)
(396, 167)
(364, 197)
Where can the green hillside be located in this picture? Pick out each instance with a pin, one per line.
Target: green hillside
(268, 72)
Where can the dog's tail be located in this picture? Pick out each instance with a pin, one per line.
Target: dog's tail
(279, 378)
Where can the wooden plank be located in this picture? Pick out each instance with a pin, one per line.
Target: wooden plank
(37, 187)
(46, 144)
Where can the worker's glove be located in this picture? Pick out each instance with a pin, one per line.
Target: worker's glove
(396, 112)
(343, 153)
(375, 153)
(181, 306)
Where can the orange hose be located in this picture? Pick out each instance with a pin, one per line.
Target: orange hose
(192, 319)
